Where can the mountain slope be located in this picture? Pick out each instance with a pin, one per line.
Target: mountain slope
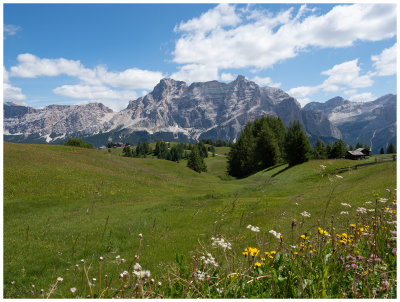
(172, 110)
(372, 123)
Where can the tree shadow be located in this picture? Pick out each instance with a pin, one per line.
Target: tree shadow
(273, 167)
(280, 171)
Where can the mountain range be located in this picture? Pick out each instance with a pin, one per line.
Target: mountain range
(175, 111)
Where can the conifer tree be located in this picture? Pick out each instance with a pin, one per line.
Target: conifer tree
(391, 149)
(297, 146)
(319, 151)
(196, 162)
(382, 151)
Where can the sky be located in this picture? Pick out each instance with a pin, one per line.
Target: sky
(113, 53)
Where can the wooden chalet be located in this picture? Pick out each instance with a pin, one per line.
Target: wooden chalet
(360, 153)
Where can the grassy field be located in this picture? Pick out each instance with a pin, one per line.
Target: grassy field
(63, 204)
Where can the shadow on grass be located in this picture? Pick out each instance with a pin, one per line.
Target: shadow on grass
(280, 171)
(273, 167)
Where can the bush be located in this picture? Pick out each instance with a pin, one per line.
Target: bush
(77, 142)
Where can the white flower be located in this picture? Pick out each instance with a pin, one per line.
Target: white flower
(371, 210)
(368, 202)
(122, 260)
(201, 275)
(101, 259)
(209, 260)
(142, 274)
(362, 210)
(383, 200)
(305, 214)
(345, 204)
(137, 267)
(72, 289)
(221, 243)
(277, 235)
(344, 213)
(339, 176)
(60, 279)
(322, 167)
(118, 257)
(140, 236)
(159, 283)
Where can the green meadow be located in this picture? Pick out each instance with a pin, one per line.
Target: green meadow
(63, 204)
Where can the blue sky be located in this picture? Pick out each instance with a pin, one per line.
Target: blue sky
(109, 53)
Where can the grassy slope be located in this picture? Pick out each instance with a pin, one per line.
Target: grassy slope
(62, 204)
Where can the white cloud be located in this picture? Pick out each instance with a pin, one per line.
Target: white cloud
(115, 99)
(345, 76)
(363, 97)
(304, 101)
(227, 77)
(10, 92)
(10, 30)
(220, 16)
(262, 39)
(31, 66)
(267, 81)
(385, 62)
(195, 73)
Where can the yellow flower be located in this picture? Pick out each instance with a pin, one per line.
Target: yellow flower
(263, 259)
(296, 253)
(273, 252)
(344, 235)
(304, 237)
(271, 257)
(362, 229)
(343, 241)
(245, 253)
(353, 225)
(321, 231)
(257, 264)
(251, 251)
(266, 253)
(326, 233)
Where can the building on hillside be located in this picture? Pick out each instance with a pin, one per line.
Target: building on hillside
(360, 153)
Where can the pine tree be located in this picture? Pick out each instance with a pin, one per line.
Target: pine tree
(196, 162)
(297, 145)
(391, 149)
(319, 151)
(382, 151)
(339, 149)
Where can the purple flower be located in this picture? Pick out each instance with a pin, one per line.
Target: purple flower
(342, 258)
(347, 266)
(385, 285)
(354, 266)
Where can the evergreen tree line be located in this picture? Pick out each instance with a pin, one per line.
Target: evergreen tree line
(194, 153)
(265, 142)
(78, 142)
(390, 149)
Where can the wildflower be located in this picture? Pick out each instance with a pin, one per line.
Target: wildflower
(257, 264)
(344, 213)
(101, 259)
(383, 200)
(123, 260)
(304, 236)
(305, 214)
(353, 225)
(387, 190)
(273, 252)
(137, 267)
(385, 285)
(339, 176)
(82, 261)
(362, 210)
(60, 279)
(12, 282)
(73, 289)
(118, 257)
(140, 236)
(368, 202)
(345, 204)
(251, 251)
(322, 167)
(296, 253)
(354, 266)
(201, 275)
(159, 283)
(221, 243)
(277, 235)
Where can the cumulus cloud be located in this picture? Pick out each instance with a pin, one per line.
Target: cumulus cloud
(10, 92)
(195, 73)
(227, 77)
(115, 99)
(385, 62)
(249, 38)
(31, 66)
(10, 30)
(345, 76)
(267, 81)
(363, 97)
